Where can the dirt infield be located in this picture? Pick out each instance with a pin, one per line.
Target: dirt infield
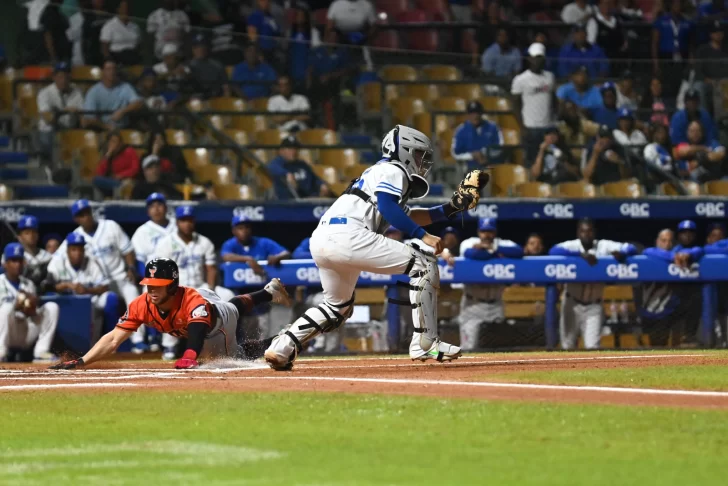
(399, 376)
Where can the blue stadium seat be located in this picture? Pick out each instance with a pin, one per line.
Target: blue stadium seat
(4, 141)
(13, 158)
(42, 192)
(13, 174)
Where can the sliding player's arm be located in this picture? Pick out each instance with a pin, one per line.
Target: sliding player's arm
(106, 346)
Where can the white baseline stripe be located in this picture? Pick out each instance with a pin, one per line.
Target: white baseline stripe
(64, 385)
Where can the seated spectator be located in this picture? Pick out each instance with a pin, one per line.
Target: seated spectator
(672, 34)
(580, 92)
(577, 12)
(147, 89)
(173, 74)
(656, 104)
(605, 163)
(288, 102)
(710, 66)
(120, 162)
(264, 31)
(44, 40)
(627, 96)
(356, 22)
(292, 177)
(607, 113)
(301, 43)
(692, 112)
(477, 140)
(502, 59)
(659, 151)
(555, 163)
(152, 181)
(114, 100)
(243, 247)
(172, 162)
(451, 244)
(207, 76)
(579, 53)
(75, 33)
(58, 96)
(249, 76)
(576, 131)
(627, 134)
(168, 24)
(709, 13)
(120, 37)
(699, 158)
(330, 68)
(605, 30)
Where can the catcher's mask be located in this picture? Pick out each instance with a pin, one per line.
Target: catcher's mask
(411, 150)
(162, 272)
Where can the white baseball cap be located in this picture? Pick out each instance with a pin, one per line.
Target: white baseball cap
(536, 49)
(169, 49)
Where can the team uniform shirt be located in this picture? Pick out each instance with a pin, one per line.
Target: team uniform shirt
(468, 139)
(189, 306)
(168, 27)
(108, 245)
(281, 104)
(88, 274)
(260, 72)
(488, 293)
(120, 36)
(536, 90)
(9, 291)
(50, 99)
(258, 248)
(147, 236)
(191, 258)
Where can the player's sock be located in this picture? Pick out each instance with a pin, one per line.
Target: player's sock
(260, 296)
(246, 302)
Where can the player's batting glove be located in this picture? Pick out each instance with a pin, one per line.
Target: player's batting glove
(68, 365)
(467, 194)
(187, 361)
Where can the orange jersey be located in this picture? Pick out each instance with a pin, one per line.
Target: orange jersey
(188, 306)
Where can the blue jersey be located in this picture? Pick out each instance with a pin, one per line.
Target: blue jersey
(267, 28)
(468, 139)
(303, 251)
(258, 248)
(261, 72)
(591, 99)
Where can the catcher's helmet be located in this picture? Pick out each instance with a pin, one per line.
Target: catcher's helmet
(161, 271)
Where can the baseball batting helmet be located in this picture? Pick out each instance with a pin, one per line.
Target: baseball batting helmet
(160, 272)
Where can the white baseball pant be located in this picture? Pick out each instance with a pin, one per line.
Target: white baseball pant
(128, 291)
(474, 313)
(19, 331)
(221, 341)
(576, 318)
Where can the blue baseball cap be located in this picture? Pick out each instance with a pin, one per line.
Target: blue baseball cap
(79, 206)
(13, 250)
(450, 229)
(75, 239)
(184, 212)
(687, 225)
(608, 85)
(62, 67)
(625, 113)
(28, 222)
(487, 224)
(240, 219)
(156, 197)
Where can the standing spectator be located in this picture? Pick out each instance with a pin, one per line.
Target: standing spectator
(579, 53)
(659, 151)
(477, 140)
(627, 96)
(172, 73)
(579, 91)
(555, 163)
(607, 113)
(286, 101)
(627, 134)
(534, 245)
(605, 30)
(292, 177)
(251, 75)
(671, 45)
(75, 32)
(699, 158)
(606, 163)
(710, 68)
(264, 31)
(171, 160)
(576, 131)
(112, 99)
(461, 10)
(533, 92)
(24, 323)
(490, 19)
(225, 38)
(692, 112)
(501, 59)
(120, 161)
(45, 39)
(56, 97)
(93, 22)
(152, 181)
(329, 67)
(168, 24)
(581, 304)
(658, 105)
(208, 76)
(577, 12)
(36, 258)
(120, 37)
(356, 21)
(709, 13)
(300, 45)
(148, 91)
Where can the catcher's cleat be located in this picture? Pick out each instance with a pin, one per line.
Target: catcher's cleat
(439, 351)
(276, 363)
(278, 291)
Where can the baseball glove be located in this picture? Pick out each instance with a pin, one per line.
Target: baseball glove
(467, 194)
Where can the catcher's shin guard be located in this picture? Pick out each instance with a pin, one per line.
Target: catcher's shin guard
(326, 317)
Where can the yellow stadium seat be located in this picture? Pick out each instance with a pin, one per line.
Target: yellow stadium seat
(249, 123)
(503, 104)
(440, 72)
(317, 136)
(134, 72)
(508, 121)
(398, 72)
(532, 189)
(226, 103)
(196, 158)
(258, 104)
(618, 292)
(444, 142)
(339, 158)
(27, 103)
(717, 188)
(229, 71)
(691, 187)
(240, 137)
(523, 302)
(6, 89)
(6, 193)
(272, 136)
(403, 109)
(216, 121)
(216, 174)
(195, 105)
(81, 146)
(338, 188)
(466, 91)
(327, 174)
(426, 92)
(449, 103)
(354, 171)
(370, 95)
(505, 176)
(85, 73)
(513, 137)
(370, 295)
(625, 189)
(132, 137)
(233, 192)
(176, 137)
(580, 189)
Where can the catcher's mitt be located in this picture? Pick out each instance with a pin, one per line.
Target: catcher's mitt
(467, 194)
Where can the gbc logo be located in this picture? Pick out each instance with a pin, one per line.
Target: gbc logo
(692, 272)
(635, 210)
(319, 211)
(500, 271)
(561, 271)
(484, 211)
(375, 277)
(12, 215)
(559, 211)
(310, 274)
(251, 213)
(623, 271)
(710, 209)
(446, 273)
(99, 212)
(247, 276)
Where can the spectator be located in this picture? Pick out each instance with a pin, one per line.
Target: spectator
(171, 160)
(120, 37)
(294, 106)
(552, 51)
(477, 140)
(588, 297)
(629, 11)
(607, 113)
(77, 274)
(533, 92)
(627, 134)
(354, 19)
(501, 59)
(149, 92)
(579, 52)
(208, 76)
(301, 41)
(580, 92)
(605, 30)
(716, 232)
(329, 66)
(710, 67)
(555, 163)
(264, 31)
(534, 245)
(24, 324)
(709, 13)
(577, 12)
(671, 45)
(152, 181)
(627, 97)
(170, 64)
(75, 32)
(58, 96)
(251, 75)
(120, 161)
(659, 151)
(490, 19)
(576, 131)
(45, 40)
(36, 258)
(699, 158)
(93, 22)
(692, 112)
(112, 99)
(292, 177)
(658, 105)
(451, 244)
(606, 163)
(225, 38)
(168, 24)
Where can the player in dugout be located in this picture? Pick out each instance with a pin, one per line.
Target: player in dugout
(207, 322)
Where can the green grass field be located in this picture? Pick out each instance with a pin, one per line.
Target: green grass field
(125, 437)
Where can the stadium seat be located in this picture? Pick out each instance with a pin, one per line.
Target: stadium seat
(449, 103)
(176, 137)
(398, 72)
(532, 189)
(327, 174)
(214, 173)
(523, 302)
(423, 40)
(717, 188)
(425, 92)
(436, 10)
(403, 109)
(423, 123)
(338, 188)
(466, 91)
(196, 158)
(271, 136)
(27, 96)
(370, 95)
(233, 192)
(339, 158)
(85, 73)
(441, 72)
(133, 73)
(307, 156)
(6, 89)
(249, 123)
(354, 171)
(444, 143)
(512, 137)
(386, 39)
(216, 121)
(393, 8)
(691, 187)
(580, 189)
(240, 137)
(317, 136)
(82, 145)
(505, 176)
(226, 103)
(195, 105)
(6, 193)
(132, 137)
(625, 189)
(37, 73)
(258, 104)
(507, 122)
